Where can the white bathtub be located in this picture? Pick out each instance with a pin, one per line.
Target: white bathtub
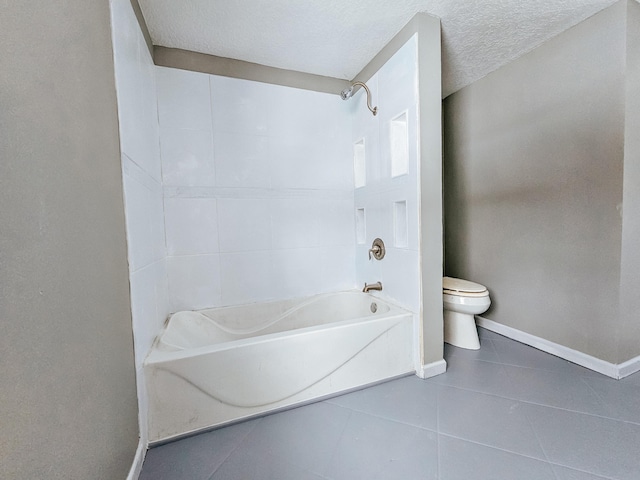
(216, 366)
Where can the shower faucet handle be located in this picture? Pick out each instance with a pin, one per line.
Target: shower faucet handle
(377, 249)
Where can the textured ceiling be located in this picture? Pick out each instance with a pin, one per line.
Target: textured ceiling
(337, 38)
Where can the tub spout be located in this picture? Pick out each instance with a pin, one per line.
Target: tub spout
(373, 286)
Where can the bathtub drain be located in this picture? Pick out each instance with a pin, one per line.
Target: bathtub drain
(374, 307)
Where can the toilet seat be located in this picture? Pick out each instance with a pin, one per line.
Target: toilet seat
(463, 288)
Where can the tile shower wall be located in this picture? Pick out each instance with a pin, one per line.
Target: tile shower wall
(139, 142)
(258, 190)
(386, 206)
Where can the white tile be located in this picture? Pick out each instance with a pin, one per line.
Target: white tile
(156, 215)
(136, 91)
(246, 278)
(241, 160)
(379, 219)
(401, 277)
(297, 271)
(183, 99)
(239, 106)
(149, 306)
(244, 224)
(140, 231)
(192, 226)
(294, 112)
(361, 228)
(194, 281)
(338, 269)
(187, 157)
(308, 222)
(398, 81)
(143, 311)
(163, 307)
(311, 160)
(148, 128)
(359, 163)
(373, 162)
(302, 272)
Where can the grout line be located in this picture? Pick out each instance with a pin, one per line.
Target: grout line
(324, 472)
(529, 402)
(382, 417)
(242, 441)
(544, 452)
(494, 447)
(581, 471)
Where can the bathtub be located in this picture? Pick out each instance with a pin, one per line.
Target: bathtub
(213, 367)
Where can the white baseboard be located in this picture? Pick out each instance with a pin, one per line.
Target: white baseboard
(432, 369)
(630, 366)
(138, 460)
(612, 370)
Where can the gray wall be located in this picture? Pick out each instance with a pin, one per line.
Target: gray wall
(629, 341)
(67, 388)
(533, 176)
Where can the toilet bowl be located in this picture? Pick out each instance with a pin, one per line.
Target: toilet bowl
(461, 301)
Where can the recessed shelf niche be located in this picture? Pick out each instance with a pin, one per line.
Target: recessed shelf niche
(399, 142)
(400, 224)
(359, 164)
(361, 232)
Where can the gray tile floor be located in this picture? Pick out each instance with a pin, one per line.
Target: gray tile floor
(507, 411)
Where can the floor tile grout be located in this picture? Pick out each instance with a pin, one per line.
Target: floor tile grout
(384, 417)
(476, 442)
(245, 436)
(603, 477)
(540, 444)
(529, 402)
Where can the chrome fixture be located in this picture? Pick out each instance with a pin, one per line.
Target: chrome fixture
(373, 286)
(377, 249)
(348, 93)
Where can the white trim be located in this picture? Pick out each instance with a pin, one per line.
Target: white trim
(138, 460)
(630, 366)
(432, 369)
(612, 370)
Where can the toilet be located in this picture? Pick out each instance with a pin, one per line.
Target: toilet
(461, 301)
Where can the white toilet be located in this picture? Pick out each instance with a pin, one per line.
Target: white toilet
(462, 300)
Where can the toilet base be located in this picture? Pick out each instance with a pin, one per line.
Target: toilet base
(460, 330)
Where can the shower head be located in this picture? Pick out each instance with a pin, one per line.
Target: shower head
(348, 93)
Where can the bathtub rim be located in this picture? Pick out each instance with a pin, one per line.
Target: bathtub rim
(156, 357)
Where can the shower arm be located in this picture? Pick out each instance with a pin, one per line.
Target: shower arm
(374, 110)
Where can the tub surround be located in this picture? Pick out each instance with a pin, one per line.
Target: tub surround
(247, 182)
(258, 185)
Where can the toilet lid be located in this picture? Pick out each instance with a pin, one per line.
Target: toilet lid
(457, 285)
